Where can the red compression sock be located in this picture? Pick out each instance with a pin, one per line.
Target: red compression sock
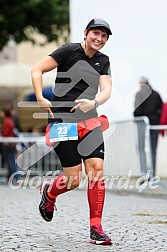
(57, 187)
(96, 195)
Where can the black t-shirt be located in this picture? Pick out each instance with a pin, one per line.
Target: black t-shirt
(77, 78)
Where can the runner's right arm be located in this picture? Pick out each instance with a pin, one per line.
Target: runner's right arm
(45, 65)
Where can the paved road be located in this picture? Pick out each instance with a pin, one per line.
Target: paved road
(135, 223)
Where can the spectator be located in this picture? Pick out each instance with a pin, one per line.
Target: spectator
(163, 117)
(1, 144)
(9, 149)
(149, 103)
(15, 118)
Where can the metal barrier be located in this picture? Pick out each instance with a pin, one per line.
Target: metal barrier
(127, 147)
(32, 154)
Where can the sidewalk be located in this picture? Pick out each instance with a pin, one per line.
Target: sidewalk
(134, 223)
(148, 188)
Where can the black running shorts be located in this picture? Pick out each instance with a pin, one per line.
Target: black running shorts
(71, 153)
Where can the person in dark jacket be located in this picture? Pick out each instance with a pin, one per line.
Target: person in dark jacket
(149, 103)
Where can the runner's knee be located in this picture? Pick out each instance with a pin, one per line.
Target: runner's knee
(95, 172)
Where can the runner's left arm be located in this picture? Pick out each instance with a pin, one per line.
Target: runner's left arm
(86, 105)
(105, 83)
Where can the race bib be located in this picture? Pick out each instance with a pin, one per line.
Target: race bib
(63, 132)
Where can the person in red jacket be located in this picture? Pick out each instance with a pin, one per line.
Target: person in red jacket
(9, 149)
(163, 117)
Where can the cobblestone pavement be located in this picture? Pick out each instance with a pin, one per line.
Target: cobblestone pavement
(135, 223)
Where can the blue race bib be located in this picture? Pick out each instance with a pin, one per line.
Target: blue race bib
(63, 132)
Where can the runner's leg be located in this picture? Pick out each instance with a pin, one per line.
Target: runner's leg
(96, 196)
(96, 188)
(65, 182)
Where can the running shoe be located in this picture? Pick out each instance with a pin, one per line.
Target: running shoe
(98, 236)
(47, 205)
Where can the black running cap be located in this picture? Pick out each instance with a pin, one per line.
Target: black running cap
(97, 22)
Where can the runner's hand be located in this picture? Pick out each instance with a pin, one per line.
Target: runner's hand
(45, 105)
(84, 105)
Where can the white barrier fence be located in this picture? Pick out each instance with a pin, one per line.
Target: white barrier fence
(123, 147)
(32, 154)
(128, 148)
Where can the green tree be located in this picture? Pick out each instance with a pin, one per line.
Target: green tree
(20, 19)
